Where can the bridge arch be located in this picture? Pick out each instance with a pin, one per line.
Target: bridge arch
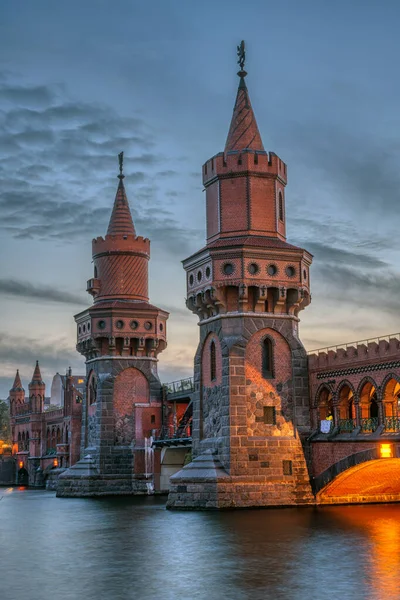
(369, 479)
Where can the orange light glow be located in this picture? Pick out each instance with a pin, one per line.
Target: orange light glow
(386, 450)
(21, 464)
(55, 463)
(80, 380)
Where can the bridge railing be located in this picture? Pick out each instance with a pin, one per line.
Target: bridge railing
(169, 432)
(180, 386)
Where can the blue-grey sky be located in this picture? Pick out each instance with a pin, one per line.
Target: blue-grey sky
(81, 81)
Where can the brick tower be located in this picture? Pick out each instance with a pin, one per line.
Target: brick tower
(247, 286)
(37, 393)
(120, 337)
(17, 394)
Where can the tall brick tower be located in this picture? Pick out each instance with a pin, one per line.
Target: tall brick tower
(37, 393)
(120, 337)
(247, 286)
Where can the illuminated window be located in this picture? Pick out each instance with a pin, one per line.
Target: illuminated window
(80, 380)
(386, 451)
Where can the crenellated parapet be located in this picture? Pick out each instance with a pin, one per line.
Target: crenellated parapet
(244, 162)
(378, 349)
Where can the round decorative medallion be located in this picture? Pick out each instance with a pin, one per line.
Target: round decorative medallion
(101, 324)
(272, 270)
(119, 324)
(134, 324)
(228, 269)
(161, 327)
(208, 272)
(290, 271)
(253, 268)
(148, 325)
(191, 280)
(199, 276)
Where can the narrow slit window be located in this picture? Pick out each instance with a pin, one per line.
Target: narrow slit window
(267, 359)
(213, 362)
(280, 206)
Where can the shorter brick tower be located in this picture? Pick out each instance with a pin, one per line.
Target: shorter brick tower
(120, 336)
(247, 286)
(17, 394)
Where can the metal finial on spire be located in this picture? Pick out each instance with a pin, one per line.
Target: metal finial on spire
(121, 165)
(241, 52)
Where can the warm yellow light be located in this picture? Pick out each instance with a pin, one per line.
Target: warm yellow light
(80, 380)
(21, 464)
(55, 463)
(386, 450)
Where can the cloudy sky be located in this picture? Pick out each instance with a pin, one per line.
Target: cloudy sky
(81, 81)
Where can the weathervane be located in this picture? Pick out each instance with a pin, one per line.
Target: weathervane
(121, 164)
(242, 55)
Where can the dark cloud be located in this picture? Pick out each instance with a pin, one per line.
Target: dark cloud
(58, 164)
(29, 291)
(324, 253)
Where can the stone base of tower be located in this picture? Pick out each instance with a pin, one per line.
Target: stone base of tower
(204, 484)
(83, 480)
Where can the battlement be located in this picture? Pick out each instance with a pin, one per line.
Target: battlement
(355, 352)
(121, 243)
(255, 161)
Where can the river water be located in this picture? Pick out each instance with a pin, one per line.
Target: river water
(132, 548)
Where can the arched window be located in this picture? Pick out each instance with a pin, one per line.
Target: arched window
(267, 359)
(92, 389)
(280, 197)
(213, 361)
(95, 272)
(48, 439)
(58, 436)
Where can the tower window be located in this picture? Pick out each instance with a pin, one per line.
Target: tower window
(280, 206)
(267, 359)
(95, 272)
(213, 362)
(287, 467)
(153, 418)
(269, 415)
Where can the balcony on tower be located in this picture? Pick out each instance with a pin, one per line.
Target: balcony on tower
(93, 286)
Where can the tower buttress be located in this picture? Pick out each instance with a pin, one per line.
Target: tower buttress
(247, 286)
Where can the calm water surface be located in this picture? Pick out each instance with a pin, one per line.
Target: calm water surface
(61, 549)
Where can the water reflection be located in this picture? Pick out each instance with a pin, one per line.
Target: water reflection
(382, 563)
(134, 548)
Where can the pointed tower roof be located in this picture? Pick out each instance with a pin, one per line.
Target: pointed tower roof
(37, 376)
(243, 132)
(121, 222)
(17, 385)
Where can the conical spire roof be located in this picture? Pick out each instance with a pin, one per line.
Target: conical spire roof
(17, 385)
(243, 132)
(37, 376)
(121, 222)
